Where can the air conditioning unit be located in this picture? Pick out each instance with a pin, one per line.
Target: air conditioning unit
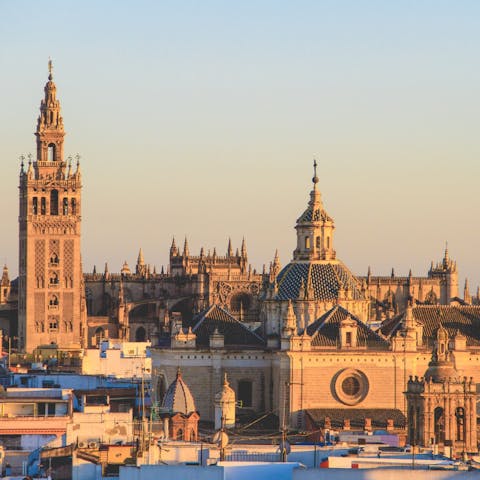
(82, 445)
(93, 445)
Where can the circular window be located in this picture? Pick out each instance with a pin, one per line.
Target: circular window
(350, 386)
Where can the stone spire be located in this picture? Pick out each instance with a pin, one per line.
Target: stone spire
(186, 250)
(243, 249)
(5, 281)
(229, 248)
(466, 292)
(173, 248)
(140, 259)
(140, 268)
(289, 321)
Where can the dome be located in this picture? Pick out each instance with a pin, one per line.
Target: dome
(439, 372)
(323, 280)
(179, 398)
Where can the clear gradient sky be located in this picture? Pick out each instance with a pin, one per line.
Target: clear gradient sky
(203, 117)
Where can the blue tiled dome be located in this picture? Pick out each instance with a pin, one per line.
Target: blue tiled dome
(324, 279)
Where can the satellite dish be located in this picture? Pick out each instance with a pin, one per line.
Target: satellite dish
(220, 439)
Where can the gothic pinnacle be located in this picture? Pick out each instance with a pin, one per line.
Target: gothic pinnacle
(140, 259)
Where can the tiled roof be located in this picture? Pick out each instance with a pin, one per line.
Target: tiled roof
(462, 319)
(326, 280)
(216, 318)
(312, 214)
(325, 331)
(357, 416)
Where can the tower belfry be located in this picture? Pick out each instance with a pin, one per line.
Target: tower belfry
(50, 276)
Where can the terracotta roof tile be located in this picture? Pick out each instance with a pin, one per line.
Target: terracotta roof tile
(235, 333)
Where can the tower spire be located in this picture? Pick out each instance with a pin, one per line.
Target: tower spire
(50, 69)
(50, 132)
(315, 178)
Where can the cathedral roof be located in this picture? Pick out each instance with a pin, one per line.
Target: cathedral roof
(179, 398)
(325, 330)
(464, 320)
(357, 416)
(324, 279)
(235, 333)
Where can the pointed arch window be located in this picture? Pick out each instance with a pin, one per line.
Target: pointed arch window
(35, 206)
(74, 206)
(307, 243)
(318, 240)
(65, 206)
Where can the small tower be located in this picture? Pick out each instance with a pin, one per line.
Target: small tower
(225, 406)
(446, 271)
(180, 412)
(4, 286)
(314, 228)
(442, 405)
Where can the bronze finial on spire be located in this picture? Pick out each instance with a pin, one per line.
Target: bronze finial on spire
(50, 69)
(315, 178)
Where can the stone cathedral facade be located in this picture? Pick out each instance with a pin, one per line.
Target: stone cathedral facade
(50, 286)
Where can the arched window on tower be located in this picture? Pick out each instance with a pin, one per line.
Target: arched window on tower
(43, 206)
(54, 202)
(74, 206)
(317, 243)
(307, 243)
(51, 152)
(35, 206)
(65, 206)
(328, 242)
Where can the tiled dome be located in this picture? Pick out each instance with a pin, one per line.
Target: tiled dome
(179, 398)
(324, 280)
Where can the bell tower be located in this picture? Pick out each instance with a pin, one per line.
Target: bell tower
(50, 274)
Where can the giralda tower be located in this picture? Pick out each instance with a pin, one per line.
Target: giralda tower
(51, 301)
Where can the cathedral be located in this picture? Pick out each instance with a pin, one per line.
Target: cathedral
(311, 343)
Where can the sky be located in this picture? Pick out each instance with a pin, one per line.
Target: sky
(202, 118)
